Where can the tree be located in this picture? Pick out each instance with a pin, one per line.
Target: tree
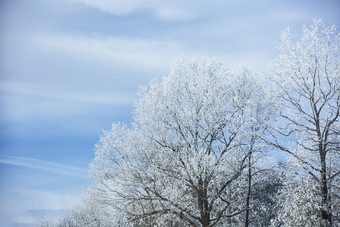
(259, 116)
(264, 198)
(181, 163)
(307, 78)
(300, 204)
(91, 211)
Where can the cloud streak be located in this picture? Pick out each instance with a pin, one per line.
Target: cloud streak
(51, 167)
(188, 10)
(41, 90)
(137, 52)
(168, 10)
(148, 56)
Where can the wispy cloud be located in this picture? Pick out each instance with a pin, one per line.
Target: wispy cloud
(169, 10)
(45, 91)
(152, 55)
(145, 54)
(80, 71)
(180, 10)
(51, 167)
(121, 64)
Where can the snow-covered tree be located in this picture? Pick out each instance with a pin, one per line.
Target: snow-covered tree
(307, 78)
(259, 116)
(262, 199)
(91, 211)
(183, 162)
(300, 204)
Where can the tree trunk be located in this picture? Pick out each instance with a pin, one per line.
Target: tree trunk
(203, 204)
(246, 224)
(326, 215)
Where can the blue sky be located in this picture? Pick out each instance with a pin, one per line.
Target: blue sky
(69, 68)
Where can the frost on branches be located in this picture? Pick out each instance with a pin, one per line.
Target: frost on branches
(183, 163)
(307, 76)
(300, 205)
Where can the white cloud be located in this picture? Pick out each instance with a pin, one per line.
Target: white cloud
(141, 54)
(137, 59)
(92, 70)
(44, 91)
(144, 54)
(71, 71)
(47, 166)
(169, 10)
(115, 6)
(183, 10)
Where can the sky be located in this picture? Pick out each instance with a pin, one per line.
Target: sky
(70, 68)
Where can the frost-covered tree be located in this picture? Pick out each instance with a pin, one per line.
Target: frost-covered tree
(262, 199)
(183, 162)
(91, 211)
(307, 78)
(300, 204)
(259, 116)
